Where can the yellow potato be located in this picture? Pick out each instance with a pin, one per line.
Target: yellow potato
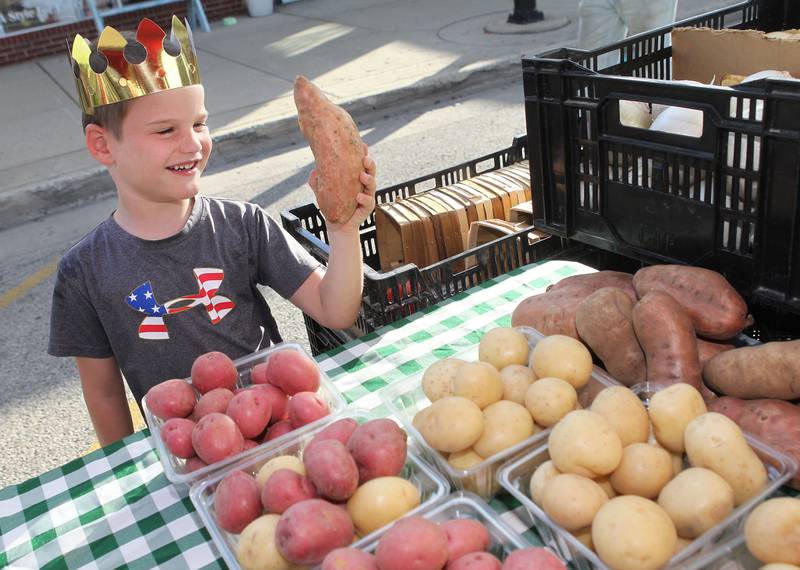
(516, 379)
(677, 458)
(280, 462)
(503, 346)
(572, 501)
(479, 382)
(451, 424)
(643, 471)
(680, 544)
(671, 410)
(779, 566)
(550, 399)
(256, 549)
(584, 443)
(605, 483)
(625, 412)
(380, 501)
(504, 424)
(584, 536)
(696, 500)
(541, 476)
(772, 531)
(464, 459)
(437, 380)
(563, 357)
(714, 441)
(633, 533)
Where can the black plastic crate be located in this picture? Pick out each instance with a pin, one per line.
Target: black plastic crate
(392, 295)
(665, 198)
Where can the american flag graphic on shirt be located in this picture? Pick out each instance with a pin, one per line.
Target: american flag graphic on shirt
(153, 327)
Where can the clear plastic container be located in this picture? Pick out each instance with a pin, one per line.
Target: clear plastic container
(516, 475)
(465, 505)
(405, 398)
(175, 467)
(432, 487)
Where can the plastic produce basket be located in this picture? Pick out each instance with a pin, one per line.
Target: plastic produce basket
(175, 467)
(465, 505)
(713, 201)
(405, 398)
(392, 295)
(430, 484)
(516, 475)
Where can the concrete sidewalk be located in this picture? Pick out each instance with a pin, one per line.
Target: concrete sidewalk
(365, 54)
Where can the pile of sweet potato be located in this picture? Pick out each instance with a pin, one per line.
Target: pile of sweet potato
(673, 323)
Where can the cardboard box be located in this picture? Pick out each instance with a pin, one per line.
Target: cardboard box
(706, 55)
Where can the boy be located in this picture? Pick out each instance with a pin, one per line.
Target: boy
(170, 274)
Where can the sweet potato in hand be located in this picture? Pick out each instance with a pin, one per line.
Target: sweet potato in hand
(338, 150)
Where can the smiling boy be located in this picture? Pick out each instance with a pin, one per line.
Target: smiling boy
(171, 274)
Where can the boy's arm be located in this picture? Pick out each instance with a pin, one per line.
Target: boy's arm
(333, 297)
(104, 394)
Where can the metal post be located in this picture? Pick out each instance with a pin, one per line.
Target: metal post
(525, 12)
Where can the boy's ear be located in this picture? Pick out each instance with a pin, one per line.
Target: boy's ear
(97, 141)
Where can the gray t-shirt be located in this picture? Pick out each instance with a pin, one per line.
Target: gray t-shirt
(157, 305)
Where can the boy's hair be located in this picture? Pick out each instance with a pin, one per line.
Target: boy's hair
(109, 116)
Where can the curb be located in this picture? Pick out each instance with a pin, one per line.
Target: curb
(35, 201)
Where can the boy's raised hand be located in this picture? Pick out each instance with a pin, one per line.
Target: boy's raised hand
(365, 199)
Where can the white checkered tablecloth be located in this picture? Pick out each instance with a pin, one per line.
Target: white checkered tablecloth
(114, 507)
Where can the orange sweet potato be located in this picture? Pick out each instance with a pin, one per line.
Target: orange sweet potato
(769, 370)
(707, 349)
(553, 312)
(665, 332)
(338, 150)
(717, 311)
(775, 422)
(604, 322)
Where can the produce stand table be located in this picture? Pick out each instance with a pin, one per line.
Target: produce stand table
(114, 507)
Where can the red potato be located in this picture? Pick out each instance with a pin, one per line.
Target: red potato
(278, 401)
(465, 536)
(340, 430)
(193, 464)
(215, 400)
(412, 543)
(379, 449)
(171, 399)
(529, 558)
(475, 561)
(332, 469)
(769, 370)
(249, 444)
(775, 422)
(292, 372)
(717, 311)
(237, 501)
(667, 337)
(306, 407)
(285, 488)
(213, 370)
(176, 433)
(277, 430)
(603, 321)
(216, 437)
(310, 529)
(258, 374)
(251, 411)
(349, 559)
(337, 147)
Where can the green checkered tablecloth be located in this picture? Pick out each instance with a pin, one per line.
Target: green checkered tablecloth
(114, 507)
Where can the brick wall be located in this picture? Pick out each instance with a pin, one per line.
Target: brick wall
(15, 49)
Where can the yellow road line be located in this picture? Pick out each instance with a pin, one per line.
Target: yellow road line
(27, 284)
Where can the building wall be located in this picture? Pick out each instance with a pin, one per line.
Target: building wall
(21, 47)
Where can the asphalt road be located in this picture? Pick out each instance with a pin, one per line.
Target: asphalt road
(43, 421)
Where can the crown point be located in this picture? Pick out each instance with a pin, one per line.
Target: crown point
(111, 40)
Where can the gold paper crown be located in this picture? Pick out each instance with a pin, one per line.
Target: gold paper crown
(120, 70)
